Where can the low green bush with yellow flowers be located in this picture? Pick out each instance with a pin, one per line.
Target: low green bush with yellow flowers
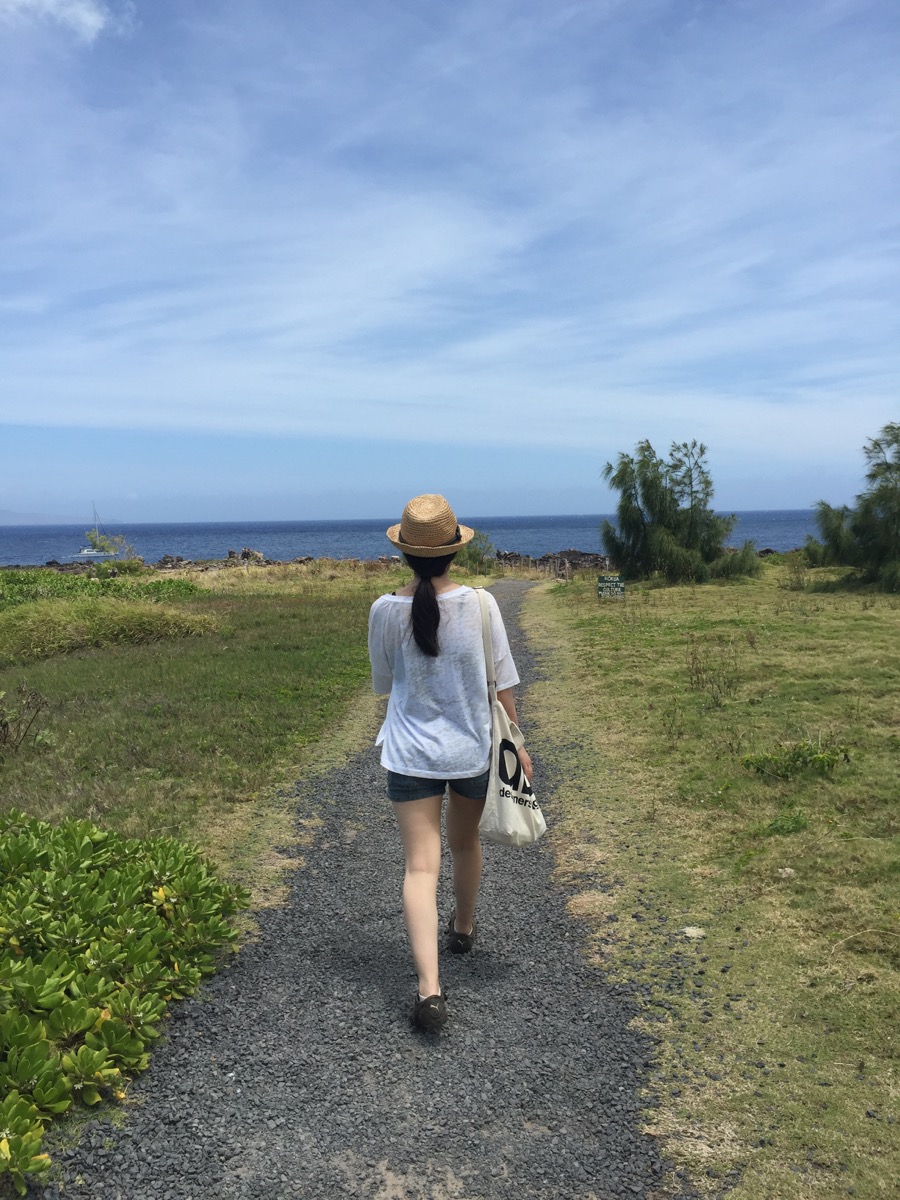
(98, 932)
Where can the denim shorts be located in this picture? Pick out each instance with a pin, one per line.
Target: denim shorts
(416, 787)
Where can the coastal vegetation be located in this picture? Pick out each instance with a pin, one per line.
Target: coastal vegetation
(867, 537)
(666, 523)
(726, 827)
(479, 555)
(97, 934)
(728, 830)
(146, 725)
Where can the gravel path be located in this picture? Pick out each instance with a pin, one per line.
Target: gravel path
(296, 1072)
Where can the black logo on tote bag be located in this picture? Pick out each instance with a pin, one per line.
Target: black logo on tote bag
(514, 778)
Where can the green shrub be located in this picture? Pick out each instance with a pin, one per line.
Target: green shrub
(867, 537)
(47, 627)
(20, 1144)
(797, 576)
(797, 758)
(478, 556)
(734, 564)
(18, 587)
(122, 566)
(815, 553)
(789, 820)
(97, 933)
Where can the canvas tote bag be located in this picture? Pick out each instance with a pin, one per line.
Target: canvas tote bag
(512, 815)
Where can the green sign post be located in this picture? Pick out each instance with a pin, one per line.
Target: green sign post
(610, 587)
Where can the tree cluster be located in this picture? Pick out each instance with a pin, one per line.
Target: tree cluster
(665, 523)
(866, 537)
(478, 555)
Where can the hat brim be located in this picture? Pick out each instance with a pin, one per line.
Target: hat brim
(465, 535)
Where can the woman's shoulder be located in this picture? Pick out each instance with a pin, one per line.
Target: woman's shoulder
(479, 591)
(383, 602)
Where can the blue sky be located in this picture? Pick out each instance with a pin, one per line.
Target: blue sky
(299, 258)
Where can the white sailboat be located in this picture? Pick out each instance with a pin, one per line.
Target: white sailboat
(91, 551)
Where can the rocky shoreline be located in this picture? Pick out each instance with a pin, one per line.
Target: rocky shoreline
(247, 557)
(560, 562)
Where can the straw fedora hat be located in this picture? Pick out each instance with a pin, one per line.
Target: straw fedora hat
(429, 528)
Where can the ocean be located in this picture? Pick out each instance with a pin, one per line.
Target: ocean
(35, 545)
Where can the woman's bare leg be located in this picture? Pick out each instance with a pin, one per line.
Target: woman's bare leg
(420, 829)
(463, 816)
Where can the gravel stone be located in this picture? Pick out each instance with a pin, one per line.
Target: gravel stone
(295, 1072)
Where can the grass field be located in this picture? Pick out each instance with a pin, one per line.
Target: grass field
(183, 715)
(729, 822)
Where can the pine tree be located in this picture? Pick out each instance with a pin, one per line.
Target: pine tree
(666, 524)
(867, 537)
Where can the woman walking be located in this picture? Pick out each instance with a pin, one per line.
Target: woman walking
(426, 650)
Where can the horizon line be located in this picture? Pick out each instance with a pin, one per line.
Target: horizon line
(34, 520)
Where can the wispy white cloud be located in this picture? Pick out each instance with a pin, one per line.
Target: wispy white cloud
(575, 226)
(86, 18)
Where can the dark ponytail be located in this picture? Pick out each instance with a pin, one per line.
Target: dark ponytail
(426, 612)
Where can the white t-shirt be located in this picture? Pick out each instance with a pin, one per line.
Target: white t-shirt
(438, 723)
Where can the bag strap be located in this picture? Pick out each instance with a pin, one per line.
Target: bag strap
(487, 645)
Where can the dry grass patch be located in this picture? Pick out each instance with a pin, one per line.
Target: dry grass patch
(777, 1024)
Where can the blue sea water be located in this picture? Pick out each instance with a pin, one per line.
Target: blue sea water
(34, 545)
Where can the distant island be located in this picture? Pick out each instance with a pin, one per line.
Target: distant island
(17, 518)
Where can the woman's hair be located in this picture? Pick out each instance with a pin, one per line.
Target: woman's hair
(426, 612)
